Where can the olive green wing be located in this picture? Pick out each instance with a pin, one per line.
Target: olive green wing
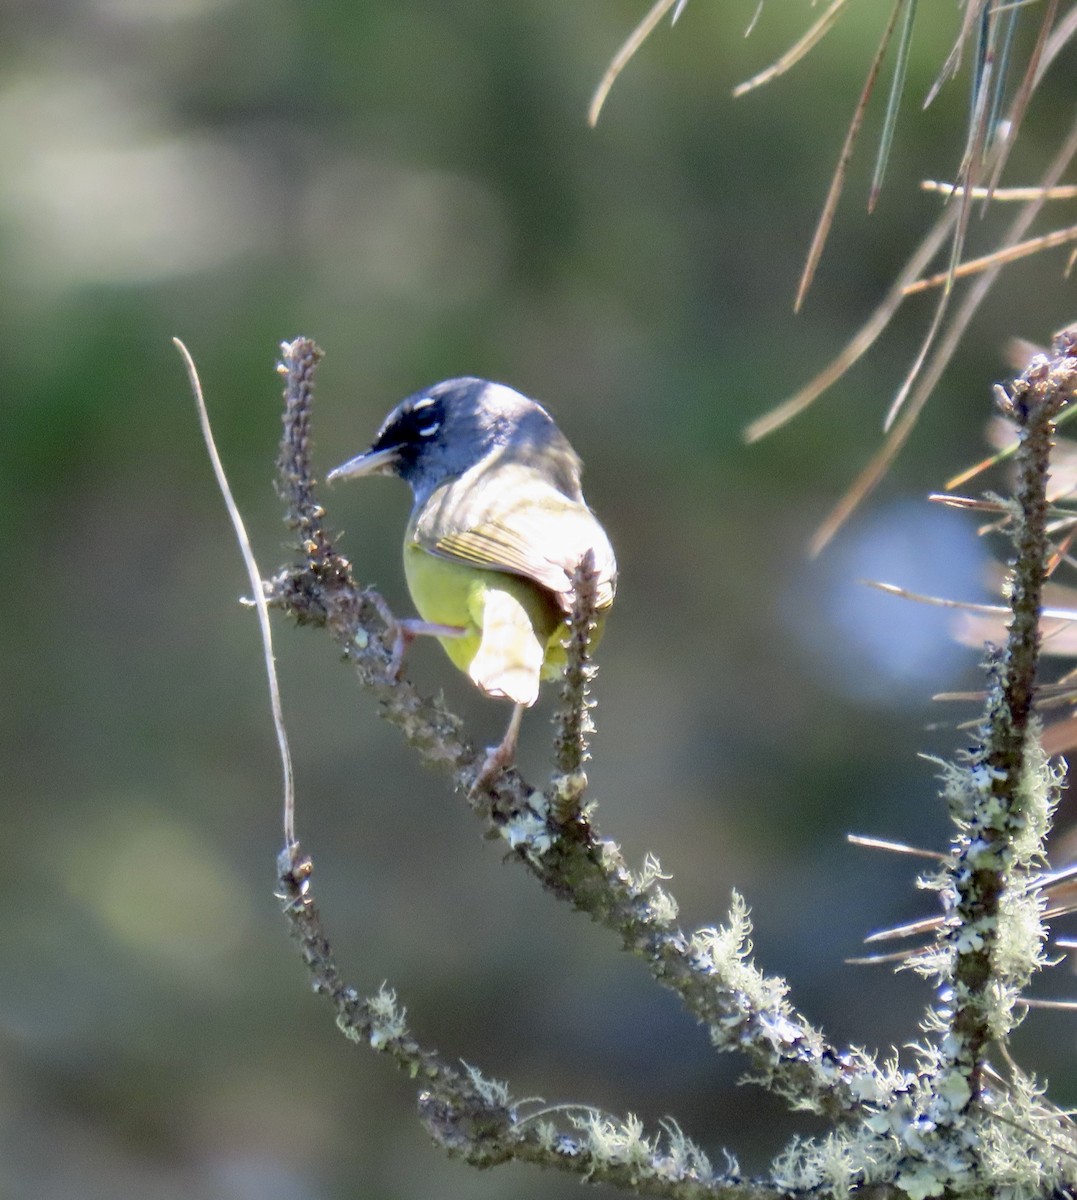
(514, 520)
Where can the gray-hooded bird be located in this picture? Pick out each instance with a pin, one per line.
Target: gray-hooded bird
(498, 527)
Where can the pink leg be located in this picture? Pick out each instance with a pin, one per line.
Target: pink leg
(407, 630)
(502, 756)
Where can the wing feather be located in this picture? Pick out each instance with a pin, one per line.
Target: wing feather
(540, 533)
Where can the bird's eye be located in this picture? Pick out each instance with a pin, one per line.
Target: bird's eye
(427, 416)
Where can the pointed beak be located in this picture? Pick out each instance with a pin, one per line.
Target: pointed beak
(371, 462)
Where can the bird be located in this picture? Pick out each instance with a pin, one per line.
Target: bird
(497, 529)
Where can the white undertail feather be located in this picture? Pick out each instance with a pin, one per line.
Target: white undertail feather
(509, 659)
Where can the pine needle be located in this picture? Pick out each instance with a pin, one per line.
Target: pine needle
(897, 90)
(862, 341)
(837, 182)
(999, 258)
(625, 55)
(796, 52)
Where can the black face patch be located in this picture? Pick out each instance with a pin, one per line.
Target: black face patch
(411, 429)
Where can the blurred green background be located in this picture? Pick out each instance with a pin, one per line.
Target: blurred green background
(414, 185)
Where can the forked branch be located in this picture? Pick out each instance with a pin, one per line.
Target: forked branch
(948, 1125)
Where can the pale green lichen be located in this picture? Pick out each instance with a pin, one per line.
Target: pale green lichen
(568, 790)
(1019, 951)
(919, 1182)
(546, 1132)
(830, 1165)
(1038, 793)
(387, 1019)
(1014, 935)
(928, 1140)
(874, 1084)
(663, 907)
(611, 1143)
(650, 873)
(1028, 1145)
(953, 1090)
(686, 1159)
(494, 1093)
(611, 860)
(726, 953)
(529, 830)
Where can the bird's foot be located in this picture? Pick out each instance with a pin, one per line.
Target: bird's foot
(501, 756)
(496, 760)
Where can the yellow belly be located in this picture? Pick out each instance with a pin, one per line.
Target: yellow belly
(513, 628)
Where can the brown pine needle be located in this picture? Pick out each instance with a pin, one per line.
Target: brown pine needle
(969, 503)
(1045, 882)
(1049, 878)
(796, 52)
(1010, 448)
(967, 173)
(875, 960)
(892, 589)
(755, 17)
(862, 341)
(868, 479)
(953, 60)
(624, 56)
(879, 464)
(837, 182)
(912, 929)
(875, 843)
(984, 464)
(893, 103)
(991, 610)
(1003, 195)
(999, 258)
(1061, 553)
(1024, 94)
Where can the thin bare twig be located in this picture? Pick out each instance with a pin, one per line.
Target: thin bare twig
(254, 576)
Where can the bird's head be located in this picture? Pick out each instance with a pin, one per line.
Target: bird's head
(437, 434)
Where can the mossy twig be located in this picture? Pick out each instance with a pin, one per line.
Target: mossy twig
(994, 810)
(572, 720)
(711, 970)
(918, 1132)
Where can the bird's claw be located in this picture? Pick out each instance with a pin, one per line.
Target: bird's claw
(502, 755)
(496, 760)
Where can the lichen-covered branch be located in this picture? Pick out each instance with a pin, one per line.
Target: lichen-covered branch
(711, 969)
(475, 1118)
(949, 1126)
(1002, 798)
(573, 717)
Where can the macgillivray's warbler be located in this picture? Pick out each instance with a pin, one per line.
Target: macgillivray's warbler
(498, 527)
